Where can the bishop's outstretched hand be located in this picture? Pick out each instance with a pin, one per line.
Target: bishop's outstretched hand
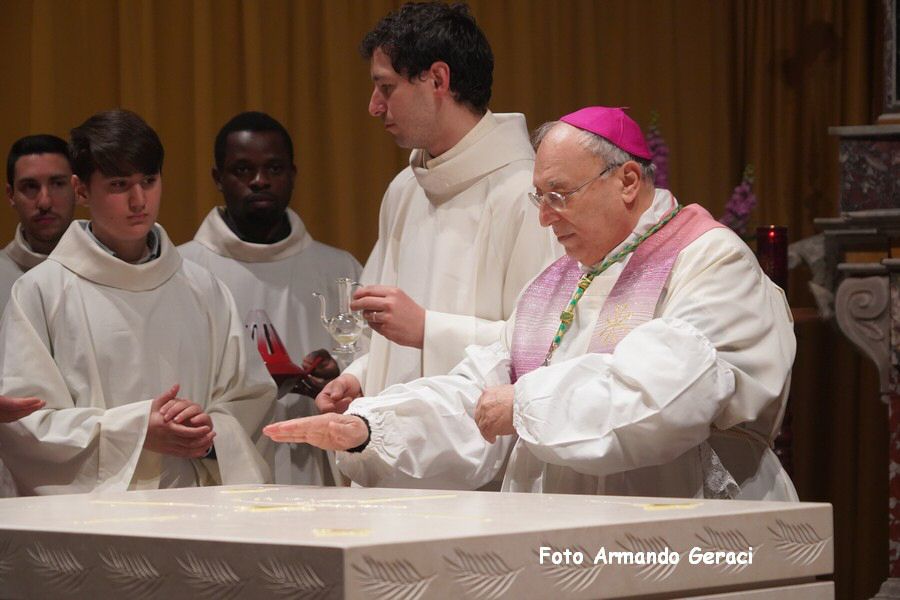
(331, 431)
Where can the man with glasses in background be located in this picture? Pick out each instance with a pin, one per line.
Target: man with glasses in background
(653, 359)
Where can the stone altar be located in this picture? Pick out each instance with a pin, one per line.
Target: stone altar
(307, 542)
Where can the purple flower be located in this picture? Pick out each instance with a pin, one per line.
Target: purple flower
(659, 151)
(741, 203)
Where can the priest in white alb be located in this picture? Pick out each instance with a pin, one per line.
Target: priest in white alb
(258, 247)
(653, 359)
(457, 238)
(39, 189)
(139, 355)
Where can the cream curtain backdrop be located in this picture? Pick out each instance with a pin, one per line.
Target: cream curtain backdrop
(734, 82)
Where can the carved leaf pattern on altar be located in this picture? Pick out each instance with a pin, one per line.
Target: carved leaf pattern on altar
(210, 577)
(654, 572)
(572, 578)
(484, 576)
(293, 580)
(7, 552)
(131, 573)
(58, 566)
(861, 309)
(729, 540)
(392, 580)
(799, 543)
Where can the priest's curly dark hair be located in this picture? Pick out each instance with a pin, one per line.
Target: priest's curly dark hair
(420, 34)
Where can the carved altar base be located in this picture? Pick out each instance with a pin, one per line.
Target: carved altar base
(304, 542)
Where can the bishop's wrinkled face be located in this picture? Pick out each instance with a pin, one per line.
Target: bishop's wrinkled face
(406, 107)
(594, 220)
(257, 176)
(43, 196)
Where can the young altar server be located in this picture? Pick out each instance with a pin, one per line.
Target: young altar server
(140, 356)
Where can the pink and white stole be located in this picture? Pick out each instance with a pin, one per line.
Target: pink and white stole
(631, 302)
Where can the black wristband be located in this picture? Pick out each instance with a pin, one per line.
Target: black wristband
(362, 446)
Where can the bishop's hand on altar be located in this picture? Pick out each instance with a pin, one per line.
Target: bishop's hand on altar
(331, 431)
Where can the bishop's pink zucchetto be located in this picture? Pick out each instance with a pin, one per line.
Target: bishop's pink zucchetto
(612, 124)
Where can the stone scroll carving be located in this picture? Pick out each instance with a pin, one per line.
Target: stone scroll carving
(862, 308)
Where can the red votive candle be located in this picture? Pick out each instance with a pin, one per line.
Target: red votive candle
(771, 250)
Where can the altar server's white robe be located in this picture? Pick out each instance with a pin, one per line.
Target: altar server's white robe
(280, 278)
(717, 356)
(16, 258)
(459, 236)
(98, 338)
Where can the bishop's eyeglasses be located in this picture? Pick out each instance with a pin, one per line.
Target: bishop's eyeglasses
(557, 200)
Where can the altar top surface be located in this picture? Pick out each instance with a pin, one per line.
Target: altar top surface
(353, 517)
